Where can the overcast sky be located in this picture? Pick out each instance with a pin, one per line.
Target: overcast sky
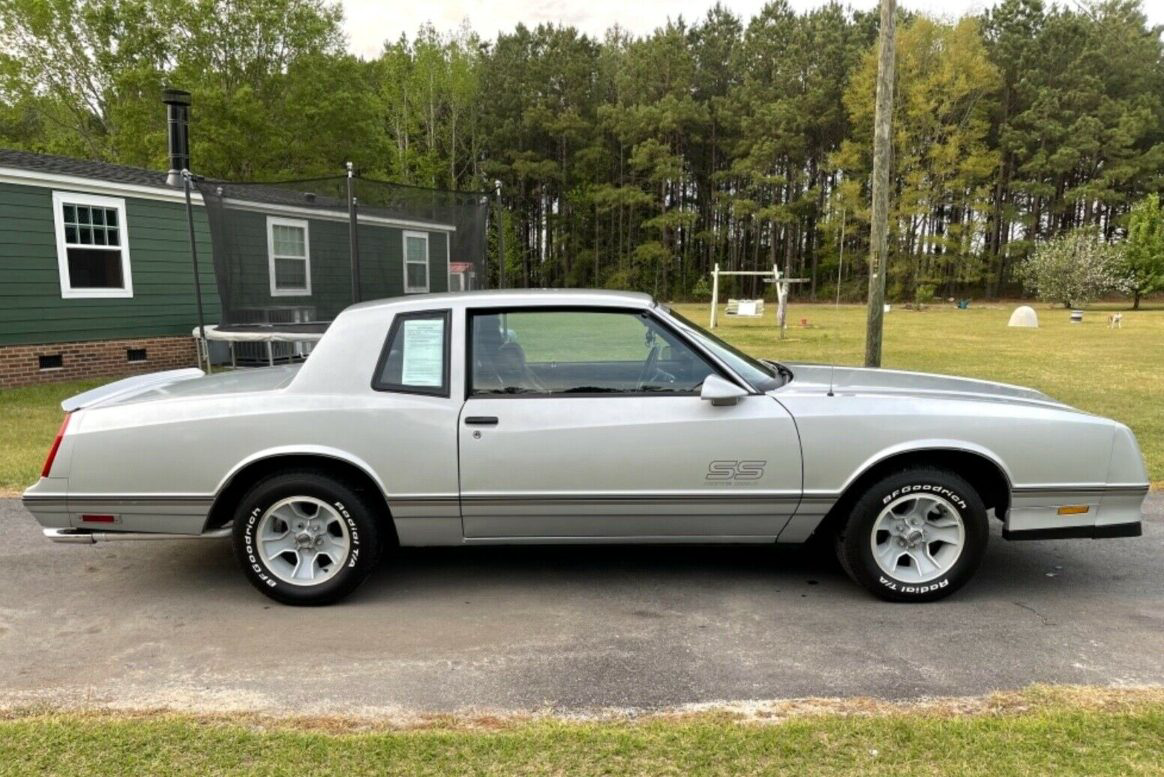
(370, 22)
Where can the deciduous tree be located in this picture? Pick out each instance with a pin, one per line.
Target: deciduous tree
(1143, 254)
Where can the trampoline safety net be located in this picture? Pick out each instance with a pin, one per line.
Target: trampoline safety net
(284, 252)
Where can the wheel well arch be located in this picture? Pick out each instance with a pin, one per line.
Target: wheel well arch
(983, 473)
(245, 476)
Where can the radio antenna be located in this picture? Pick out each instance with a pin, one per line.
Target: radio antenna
(837, 306)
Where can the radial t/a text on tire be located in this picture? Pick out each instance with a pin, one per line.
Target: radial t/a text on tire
(306, 538)
(914, 536)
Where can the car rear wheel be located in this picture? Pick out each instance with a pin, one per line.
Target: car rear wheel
(305, 538)
(915, 536)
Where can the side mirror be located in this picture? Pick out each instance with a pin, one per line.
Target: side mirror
(718, 391)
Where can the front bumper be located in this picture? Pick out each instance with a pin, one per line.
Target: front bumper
(1112, 510)
(1106, 531)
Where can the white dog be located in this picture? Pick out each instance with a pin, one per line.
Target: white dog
(1115, 321)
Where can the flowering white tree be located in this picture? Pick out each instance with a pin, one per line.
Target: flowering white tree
(1075, 268)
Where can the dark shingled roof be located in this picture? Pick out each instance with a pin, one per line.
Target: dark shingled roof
(400, 202)
(104, 171)
(85, 168)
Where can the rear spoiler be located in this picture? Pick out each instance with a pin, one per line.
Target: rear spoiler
(122, 389)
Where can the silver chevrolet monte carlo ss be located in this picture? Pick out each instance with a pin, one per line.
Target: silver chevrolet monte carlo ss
(576, 417)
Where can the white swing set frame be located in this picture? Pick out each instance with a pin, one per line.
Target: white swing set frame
(768, 276)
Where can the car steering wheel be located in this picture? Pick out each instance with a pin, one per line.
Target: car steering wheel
(648, 366)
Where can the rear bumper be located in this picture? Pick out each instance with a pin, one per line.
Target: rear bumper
(88, 537)
(179, 514)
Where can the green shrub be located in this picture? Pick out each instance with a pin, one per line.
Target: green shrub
(620, 280)
(701, 291)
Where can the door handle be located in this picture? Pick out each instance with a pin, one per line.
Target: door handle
(481, 420)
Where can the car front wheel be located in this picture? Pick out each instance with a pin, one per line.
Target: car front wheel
(305, 538)
(915, 536)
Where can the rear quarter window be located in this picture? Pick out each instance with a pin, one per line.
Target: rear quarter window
(415, 357)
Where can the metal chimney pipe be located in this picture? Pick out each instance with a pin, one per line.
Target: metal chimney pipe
(178, 118)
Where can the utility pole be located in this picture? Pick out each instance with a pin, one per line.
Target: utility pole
(882, 153)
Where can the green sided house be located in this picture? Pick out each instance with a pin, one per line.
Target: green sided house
(96, 275)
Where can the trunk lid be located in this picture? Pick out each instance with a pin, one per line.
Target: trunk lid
(182, 383)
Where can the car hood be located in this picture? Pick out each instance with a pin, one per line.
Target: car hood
(857, 380)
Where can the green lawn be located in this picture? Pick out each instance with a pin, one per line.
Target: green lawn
(1041, 731)
(1117, 373)
(29, 417)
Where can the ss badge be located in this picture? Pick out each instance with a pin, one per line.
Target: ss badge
(735, 470)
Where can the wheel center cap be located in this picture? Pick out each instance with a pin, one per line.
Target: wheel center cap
(304, 539)
(914, 536)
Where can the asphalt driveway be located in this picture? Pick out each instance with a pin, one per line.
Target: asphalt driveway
(567, 629)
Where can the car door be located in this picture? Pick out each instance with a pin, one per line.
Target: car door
(587, 423)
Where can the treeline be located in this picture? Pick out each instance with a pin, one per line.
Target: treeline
(639, 162)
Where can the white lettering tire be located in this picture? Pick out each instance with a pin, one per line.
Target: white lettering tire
(914, 536)
(305, 538)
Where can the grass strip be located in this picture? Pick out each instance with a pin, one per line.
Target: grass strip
(1038, 731)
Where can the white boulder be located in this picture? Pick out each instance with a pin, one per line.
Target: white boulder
(1024, 315)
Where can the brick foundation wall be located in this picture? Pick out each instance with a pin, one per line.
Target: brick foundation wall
(20, 364)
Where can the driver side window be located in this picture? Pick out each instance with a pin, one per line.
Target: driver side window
(579, 352)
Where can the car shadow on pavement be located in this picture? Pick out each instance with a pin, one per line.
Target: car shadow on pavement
(597, 565)
(414, 573)
(1008, 569)
(411, 574)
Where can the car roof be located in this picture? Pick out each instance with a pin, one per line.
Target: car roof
(515, 297)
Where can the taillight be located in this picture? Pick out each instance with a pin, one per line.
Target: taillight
(91, 518)
(52, 454)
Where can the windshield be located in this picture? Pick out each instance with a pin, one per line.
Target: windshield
(764, 376)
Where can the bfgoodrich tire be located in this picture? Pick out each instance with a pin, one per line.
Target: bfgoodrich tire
(305, 538)
(914, 536)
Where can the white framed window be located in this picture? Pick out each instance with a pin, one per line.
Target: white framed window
(289, 257)
(92, 246)
(415, 262)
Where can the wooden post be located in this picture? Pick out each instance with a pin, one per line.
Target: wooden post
(500, 210)
(882, 150)
(781, 300)
(841, 263)
(714, 292)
